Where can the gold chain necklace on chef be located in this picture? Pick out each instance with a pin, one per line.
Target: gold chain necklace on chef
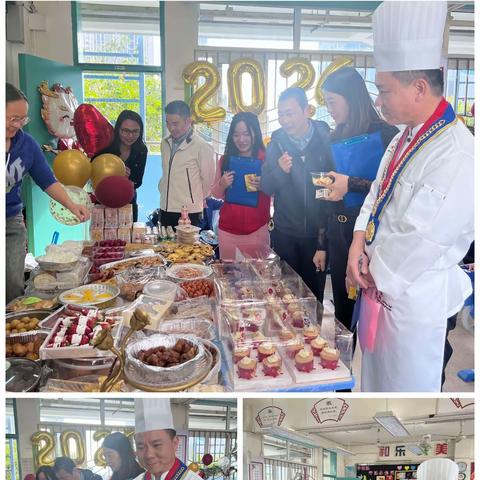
(385, 194)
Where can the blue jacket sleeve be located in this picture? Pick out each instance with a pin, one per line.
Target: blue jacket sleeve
(40, 171)
(273, 177)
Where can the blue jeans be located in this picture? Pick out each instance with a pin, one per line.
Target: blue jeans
(16, 241)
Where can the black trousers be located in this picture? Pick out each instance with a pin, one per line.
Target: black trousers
(340, 234)
(170, 219)
(298, 253)
(448, 350)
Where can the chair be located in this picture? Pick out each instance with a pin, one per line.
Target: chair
(438, 469)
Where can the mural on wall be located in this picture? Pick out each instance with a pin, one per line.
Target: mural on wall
(329, 409)
(270, 417)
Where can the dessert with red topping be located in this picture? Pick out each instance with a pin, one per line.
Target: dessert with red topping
(265, 350)
(293, 347)
(286, 334)
(240, 353)
(304, 361)
(272, 365)
(298, 319)
(329, 358)
(318, 344)
(247, 367)
(309, 333)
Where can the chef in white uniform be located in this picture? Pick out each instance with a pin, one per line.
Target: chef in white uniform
(418, 220)
(156, 442)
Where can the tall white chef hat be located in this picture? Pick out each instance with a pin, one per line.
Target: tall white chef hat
(153, 414)
(408, 35)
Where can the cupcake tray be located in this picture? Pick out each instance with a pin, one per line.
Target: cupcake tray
(318, 375)
(260, 381)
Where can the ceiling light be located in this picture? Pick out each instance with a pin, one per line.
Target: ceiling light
(415, 449)
(391, 424)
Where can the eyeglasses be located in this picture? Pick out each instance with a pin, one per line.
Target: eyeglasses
(22, 121)
(127, 131)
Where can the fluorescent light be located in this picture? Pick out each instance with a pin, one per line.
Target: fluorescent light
(415, 449)
(344, 451)
(291, 435)
(391, 424)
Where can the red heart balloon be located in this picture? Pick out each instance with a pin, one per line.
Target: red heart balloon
(94, 132)
(207, 459)
(115, 191)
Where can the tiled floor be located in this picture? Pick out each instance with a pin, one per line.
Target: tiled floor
(463, 356)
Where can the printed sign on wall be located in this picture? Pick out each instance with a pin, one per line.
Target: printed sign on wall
(332, 409)
(270, 417)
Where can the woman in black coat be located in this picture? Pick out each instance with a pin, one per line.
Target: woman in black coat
(128, 144)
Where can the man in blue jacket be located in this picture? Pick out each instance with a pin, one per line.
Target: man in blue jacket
(300, 147)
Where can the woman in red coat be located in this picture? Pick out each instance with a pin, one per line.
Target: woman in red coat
(242, 226)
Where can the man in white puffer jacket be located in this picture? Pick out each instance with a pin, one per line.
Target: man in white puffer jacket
(188, 167)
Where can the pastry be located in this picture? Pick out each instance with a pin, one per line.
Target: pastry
(272, 365)
(258, 339)
(318, 344)
(310, 333)
(247, 367)
(298, 319)
(293, 347)
(240, 353)
(329, 358)
(44, 281)
(265, 350)
(286, 334)
(304, 361)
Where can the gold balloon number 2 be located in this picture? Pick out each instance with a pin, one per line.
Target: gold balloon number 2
(201, 101)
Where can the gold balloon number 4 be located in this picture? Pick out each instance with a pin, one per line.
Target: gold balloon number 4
(201, 102)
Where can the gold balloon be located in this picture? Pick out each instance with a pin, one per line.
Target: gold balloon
(304, 68)
(199, 103)
(235, 71)
(267, 140)
(72, 167)
(194, 467)
(337, 64)
(78, 456)
(106, 165)
(44, 449)
(99, 457)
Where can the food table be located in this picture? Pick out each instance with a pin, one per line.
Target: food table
(111, 316)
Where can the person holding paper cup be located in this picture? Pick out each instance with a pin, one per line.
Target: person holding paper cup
(245, 214)
(359, 141)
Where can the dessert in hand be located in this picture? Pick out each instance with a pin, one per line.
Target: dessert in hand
(240, 353)
(247, 367)
(272, 365)
(310, 333)
(304, 361)
(318, 344)
(265, 350)
(329, 358)
(293, 347)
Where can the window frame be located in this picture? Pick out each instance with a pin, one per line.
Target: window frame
(14, 436)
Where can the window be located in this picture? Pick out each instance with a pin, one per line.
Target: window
(329, 464)
(12, 459)
(283, 470)
(118, 33)
(231, 25)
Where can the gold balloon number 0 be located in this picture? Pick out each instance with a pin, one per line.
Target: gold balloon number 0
(201, 100)
(44, 447)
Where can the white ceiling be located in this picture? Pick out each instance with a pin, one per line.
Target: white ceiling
(437, 417)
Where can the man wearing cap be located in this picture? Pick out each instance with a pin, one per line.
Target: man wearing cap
(156, 442)
(417, 222)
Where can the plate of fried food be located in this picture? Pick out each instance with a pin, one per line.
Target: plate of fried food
(189, 271)
(24, 304)
(182, 253)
